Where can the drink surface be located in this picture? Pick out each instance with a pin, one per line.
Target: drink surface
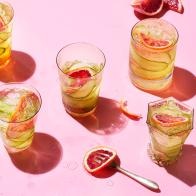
(153, 50)
(18, 108)
(6, 15)
(80, 86)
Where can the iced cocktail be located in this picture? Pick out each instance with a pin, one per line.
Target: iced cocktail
(80, 67)
(169, 122)
(152, 54)
(6, 18)
(19, 105)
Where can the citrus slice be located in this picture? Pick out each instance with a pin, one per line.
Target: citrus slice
(124, 109)
(167, 120)
(98, 158)
(22, 112)
(175, 5)
(154, 43)
(2, 24)
(82, 73)
(148, 7)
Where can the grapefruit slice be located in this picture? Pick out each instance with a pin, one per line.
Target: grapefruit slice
(167, 120)
(15, 129)
(124, 109)
(98, 158)
(82, 73)
(175, 5)
(148, 7)
(154, 43)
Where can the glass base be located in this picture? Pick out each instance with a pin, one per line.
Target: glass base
(78, 115)
(160, 158)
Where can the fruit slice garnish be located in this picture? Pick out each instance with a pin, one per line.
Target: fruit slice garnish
(147, 7)
(80, 73)
(26, 106)
(2, 24)
(85, 90)
(175, 5)
(150, 42)
(167, 120)
(98, 158)
(124, 109)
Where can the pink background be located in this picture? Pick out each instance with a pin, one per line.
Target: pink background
(53, 165)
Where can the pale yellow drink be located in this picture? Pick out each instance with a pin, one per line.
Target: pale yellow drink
(6, 17)
(152, 54)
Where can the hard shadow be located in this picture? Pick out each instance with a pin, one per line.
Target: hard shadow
(159, 15)
(107, 119)
(184, 168)
(42, 156)
(20, 68)
(183, 86)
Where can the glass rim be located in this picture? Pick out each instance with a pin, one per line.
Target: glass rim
(12, 10)
(85, 43)
(175, 42)
(25, 85)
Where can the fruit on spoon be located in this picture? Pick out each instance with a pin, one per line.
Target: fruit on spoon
(101, 157)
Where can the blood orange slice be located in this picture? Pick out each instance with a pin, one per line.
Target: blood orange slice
(148, 7)
(98, 158)
(83, 73)
(175, 5)
(167, 120)
(154, 43)
(124, 109)
(21, 113)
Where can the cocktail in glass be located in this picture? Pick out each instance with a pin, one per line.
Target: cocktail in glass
(152, 54)
(80, 67)
(6, 20)
(19, 105)
(170, 123)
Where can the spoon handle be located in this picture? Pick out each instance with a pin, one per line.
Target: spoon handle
(144, 181)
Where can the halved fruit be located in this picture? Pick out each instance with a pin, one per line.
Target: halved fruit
(98, 158)
(175, 5)
(124, 109)
(167, 120)
(148, 7)
(152, 43)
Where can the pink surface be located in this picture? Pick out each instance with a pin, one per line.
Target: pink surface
(53, 165)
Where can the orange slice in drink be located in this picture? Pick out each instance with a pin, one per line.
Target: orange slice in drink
(16, 126)
(166, 120)
(154, 43)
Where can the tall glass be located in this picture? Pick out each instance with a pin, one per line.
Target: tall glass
(19, 106)
(152, 54)
(6, 20)
(170, 123)
(80, 67)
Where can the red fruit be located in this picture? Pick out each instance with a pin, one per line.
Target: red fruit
(80, 74)
(175, 5)
(148, 7)
(2, 24)
(98, 158)
(124, 109)
(167, 120)
(154, 43)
